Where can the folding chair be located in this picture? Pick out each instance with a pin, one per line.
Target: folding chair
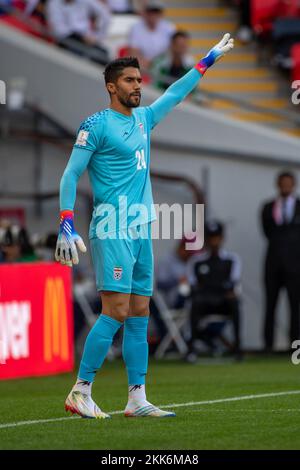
(174, 320)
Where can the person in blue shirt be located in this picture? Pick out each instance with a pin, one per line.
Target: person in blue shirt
(114, 146)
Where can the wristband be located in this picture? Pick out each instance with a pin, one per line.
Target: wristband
(66, 225)
(206, 62)
(66, 214)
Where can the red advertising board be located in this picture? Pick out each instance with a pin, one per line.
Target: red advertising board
(36, 320)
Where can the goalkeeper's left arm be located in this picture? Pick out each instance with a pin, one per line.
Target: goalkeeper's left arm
(182, 87)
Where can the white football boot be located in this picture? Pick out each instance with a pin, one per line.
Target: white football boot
(84, 406)
(146, 409)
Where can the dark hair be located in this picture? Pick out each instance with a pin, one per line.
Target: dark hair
(179, 34)
(16, 235)
(115, 68)
(286, 174)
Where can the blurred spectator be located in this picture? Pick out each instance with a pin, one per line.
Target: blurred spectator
(15, 245)
(175, 63)
(120, 6)
(171, 275)
(214, 276)
(281, 226)
(4, 224)
(80, 26)
(151, 36)
(45, 246)
(36, 9)
(244, 33)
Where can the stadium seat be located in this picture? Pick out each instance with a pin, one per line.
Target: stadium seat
(123, 51)
(23, 26)
(19, 4)
(295, 53)
(263, 15)
(290, 8)
(286, 33)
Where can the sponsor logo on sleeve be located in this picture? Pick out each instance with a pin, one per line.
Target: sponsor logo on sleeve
(82, 138)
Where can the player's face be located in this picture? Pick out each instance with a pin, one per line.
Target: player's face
(128, 87)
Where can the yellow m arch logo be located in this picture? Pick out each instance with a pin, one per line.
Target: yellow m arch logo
(55, 320)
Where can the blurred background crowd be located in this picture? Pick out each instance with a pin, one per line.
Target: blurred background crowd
(197, 295)
(161, 44)
(198, 292)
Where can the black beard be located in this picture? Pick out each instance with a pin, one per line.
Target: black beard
(128, 103)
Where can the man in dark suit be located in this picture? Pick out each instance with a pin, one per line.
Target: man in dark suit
(281, 226)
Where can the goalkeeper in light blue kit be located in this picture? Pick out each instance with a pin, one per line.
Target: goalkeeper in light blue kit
(114, 146)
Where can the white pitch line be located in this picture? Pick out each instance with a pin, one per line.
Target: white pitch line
(224, 400)
(173, 405)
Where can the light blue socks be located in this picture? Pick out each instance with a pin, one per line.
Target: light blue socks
(135, 349)
(96, 346)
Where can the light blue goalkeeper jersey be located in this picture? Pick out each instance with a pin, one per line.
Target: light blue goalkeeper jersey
(119, 168)
(115, 149)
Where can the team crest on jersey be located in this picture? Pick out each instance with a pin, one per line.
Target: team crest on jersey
(118, 273)
(82, 138)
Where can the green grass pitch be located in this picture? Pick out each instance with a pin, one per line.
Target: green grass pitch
(260, 423)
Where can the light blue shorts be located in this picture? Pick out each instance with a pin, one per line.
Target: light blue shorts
(124, 265)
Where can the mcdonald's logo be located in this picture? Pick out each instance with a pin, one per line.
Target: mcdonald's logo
(56, 341)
